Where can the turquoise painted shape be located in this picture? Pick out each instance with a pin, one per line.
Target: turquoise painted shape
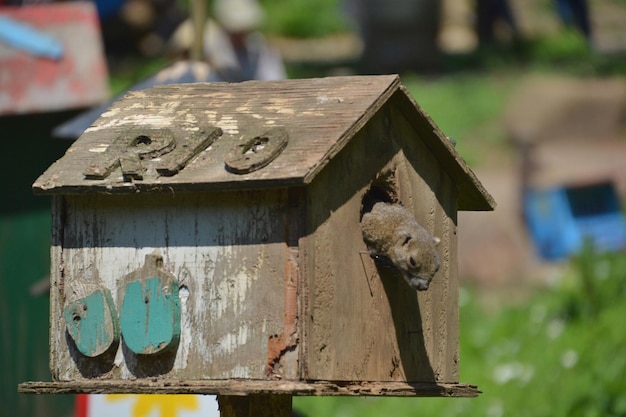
(92, 323)
(150, 315)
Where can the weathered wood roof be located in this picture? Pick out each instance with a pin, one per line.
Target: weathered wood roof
(319, 116)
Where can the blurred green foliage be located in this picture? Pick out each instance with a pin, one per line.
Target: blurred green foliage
(467, 107)
(303, 18)
(559, 354)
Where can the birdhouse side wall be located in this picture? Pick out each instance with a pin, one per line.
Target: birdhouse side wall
(363, 322)
(432, 196)
(227, 254)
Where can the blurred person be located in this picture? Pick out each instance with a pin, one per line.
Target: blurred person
(234, 47)
(240, 52)
(136, 28)
(490, 13)
(397, 35)
(575, 13)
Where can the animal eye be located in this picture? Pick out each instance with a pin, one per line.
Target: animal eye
(406, 240)
(412, 261)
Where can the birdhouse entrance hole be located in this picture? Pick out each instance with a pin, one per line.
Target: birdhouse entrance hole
(383, 189)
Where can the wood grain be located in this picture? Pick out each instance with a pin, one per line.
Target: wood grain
(363, 321)
(227, 251)
(316, 113)
(234, 387)
(320, 116)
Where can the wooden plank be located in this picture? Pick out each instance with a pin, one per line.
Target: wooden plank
(471, 193)
(317, 114)
(257, 405)
(349, 334)
(57, 285)
(362, 323)
(257, 152)
(91, 322)
(150, 308)
(320, 116)
(283, 349)
(385, 332)
(228, 252)
(242, 387)
(428, 190)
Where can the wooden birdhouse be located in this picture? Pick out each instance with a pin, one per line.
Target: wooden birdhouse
(207, 238)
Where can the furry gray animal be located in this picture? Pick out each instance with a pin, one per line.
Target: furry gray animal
(390, 231)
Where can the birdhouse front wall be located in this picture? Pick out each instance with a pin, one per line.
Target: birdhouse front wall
(221, 256)
(364, 323)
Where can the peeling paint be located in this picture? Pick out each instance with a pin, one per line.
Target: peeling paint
(216, 248)
(190, 118)
(119, 359)
(112, 112)
(154, 121)
(186, 323)
(326, 99)
(102, 147)
(279, 344)
(230, 342)
(240, 372)
(229, 125)
(283, 110)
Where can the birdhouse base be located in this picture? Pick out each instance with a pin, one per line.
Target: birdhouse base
(247, 387)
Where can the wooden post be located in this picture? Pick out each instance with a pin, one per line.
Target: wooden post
(256, 405)
(198, 15)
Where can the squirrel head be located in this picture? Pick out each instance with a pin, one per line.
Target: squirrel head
(416, 256)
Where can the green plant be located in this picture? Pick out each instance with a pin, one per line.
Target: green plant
(533, 359)
(467, 107)
(303, 18)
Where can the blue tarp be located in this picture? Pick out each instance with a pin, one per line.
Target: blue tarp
(561, 219)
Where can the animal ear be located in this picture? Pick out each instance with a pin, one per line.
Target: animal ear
(436, 240)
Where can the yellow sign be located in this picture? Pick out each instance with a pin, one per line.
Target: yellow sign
(148, 405)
